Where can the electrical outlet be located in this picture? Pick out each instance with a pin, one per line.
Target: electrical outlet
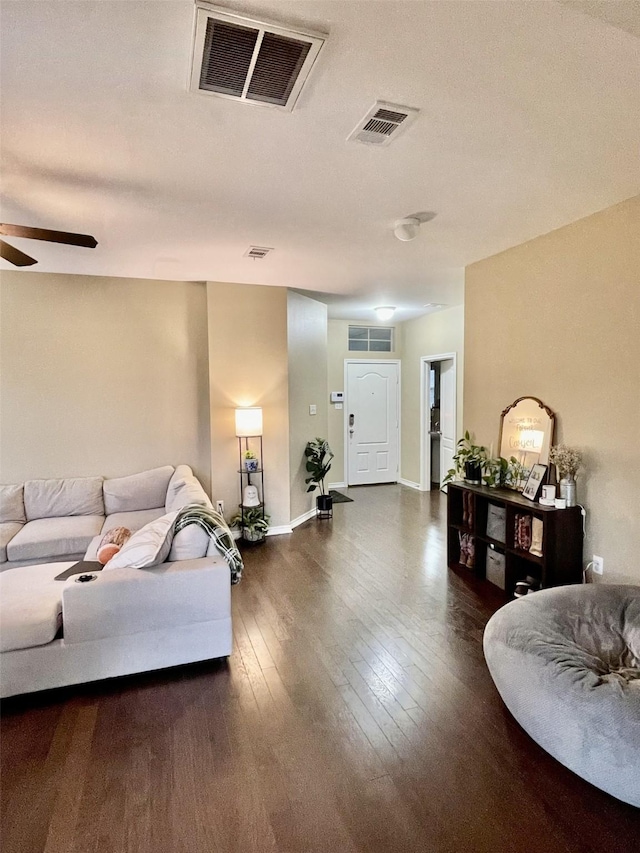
(220, 507)
(598, 565)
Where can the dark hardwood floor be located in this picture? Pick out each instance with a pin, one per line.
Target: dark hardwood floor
(356, 714)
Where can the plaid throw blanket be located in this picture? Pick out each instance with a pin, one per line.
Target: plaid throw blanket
(216, 527)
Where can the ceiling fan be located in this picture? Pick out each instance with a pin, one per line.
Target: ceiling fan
(20, 259)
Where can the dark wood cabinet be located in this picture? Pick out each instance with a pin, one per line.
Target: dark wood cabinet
(470, 515)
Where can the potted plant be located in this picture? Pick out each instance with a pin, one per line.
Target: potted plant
(469, 460)
(253, 523)
(504, 473)
(251, 461)
(319, 455)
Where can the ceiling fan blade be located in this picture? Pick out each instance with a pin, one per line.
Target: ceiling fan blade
(68, 237)
(15, 256)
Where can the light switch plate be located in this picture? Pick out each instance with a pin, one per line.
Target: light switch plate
(313, 410)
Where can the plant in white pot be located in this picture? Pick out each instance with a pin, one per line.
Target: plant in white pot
(319, 455)
(253, 522)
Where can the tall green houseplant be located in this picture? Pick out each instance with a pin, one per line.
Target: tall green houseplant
(319, 456)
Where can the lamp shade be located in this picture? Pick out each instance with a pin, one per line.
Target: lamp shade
(249, 422)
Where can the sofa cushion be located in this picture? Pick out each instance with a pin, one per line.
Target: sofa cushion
(8, 530)
(190, 543)
(147, 490)
(177, 481)
(186, 491)
(31, 606)
(181, 473)
(48, 538)
(12, 504)
(132, 520)
(149, 546)
(58, 498)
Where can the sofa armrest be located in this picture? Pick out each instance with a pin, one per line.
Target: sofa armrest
(132, 601)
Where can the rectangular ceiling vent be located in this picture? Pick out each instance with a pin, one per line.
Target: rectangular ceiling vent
(383, 123)
(250, 61)
(257, 252)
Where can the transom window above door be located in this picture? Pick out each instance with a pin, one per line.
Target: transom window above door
(370, 339)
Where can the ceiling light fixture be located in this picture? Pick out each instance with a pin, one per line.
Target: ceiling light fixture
(407, 229)
(385, 312)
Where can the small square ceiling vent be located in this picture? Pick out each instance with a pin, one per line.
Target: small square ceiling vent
(250, 61)
(257, 252)
(383, 123)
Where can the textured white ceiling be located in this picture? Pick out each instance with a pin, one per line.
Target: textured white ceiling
(530, 119)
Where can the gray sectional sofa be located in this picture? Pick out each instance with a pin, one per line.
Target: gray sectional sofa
(58, 632)
(56, 520)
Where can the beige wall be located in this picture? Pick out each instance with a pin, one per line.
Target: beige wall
(337, 351)
(432, 334)
(307, 347)
(559, 318)
(248, 367)
(101, 376)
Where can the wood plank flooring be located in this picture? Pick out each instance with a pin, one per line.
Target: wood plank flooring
(356, 715)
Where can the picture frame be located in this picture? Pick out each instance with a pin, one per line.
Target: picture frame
(534, 482)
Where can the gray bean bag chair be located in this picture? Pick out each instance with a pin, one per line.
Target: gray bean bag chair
(566, 662)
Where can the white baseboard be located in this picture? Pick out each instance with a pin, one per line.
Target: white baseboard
(409, 483)
(302, 518)
(337, 485)
(272, 531)
(281, 529)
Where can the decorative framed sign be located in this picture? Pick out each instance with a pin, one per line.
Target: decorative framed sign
(534, 483)
(526, 431)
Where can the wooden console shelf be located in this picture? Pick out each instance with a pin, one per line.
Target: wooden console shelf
(561, 560)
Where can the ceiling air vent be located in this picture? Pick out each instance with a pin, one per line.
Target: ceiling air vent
(257, 252)
(250, 61)
(383, 123)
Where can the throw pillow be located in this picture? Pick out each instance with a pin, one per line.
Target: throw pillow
(112, 542)
(148, 546)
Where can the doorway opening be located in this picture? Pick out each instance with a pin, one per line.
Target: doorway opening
(438, 418)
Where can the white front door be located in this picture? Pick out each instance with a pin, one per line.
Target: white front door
(372, 422)
(447, 415)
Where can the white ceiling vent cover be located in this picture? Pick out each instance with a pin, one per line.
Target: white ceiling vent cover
(250, 61)
(382, 123)
(257, 252)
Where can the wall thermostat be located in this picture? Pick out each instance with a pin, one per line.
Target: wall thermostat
(337, 396)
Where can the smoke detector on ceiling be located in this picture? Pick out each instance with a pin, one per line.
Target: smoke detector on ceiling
(257, 252)
(382, 123)
(254, 62)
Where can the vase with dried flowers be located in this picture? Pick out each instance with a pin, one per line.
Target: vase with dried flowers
(567, 460)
